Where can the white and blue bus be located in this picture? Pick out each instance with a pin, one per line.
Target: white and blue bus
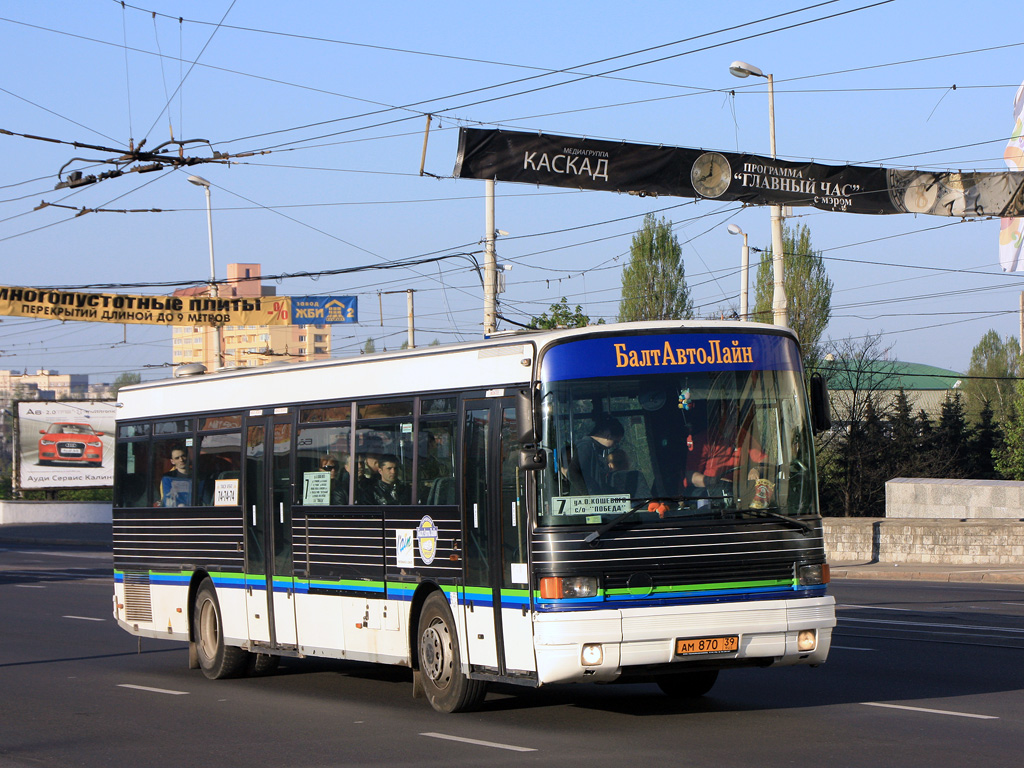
(632, 502)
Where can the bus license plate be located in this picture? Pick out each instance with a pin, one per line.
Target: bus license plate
(687, 646)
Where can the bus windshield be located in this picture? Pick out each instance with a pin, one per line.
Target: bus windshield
(718, 437)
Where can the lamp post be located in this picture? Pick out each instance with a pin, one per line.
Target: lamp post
(779, 304)
(744, 269)
(199, 181)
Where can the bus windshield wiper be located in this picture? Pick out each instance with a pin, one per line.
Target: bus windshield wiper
(594, 538)
(768, 514)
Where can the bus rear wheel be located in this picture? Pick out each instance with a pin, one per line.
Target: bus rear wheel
(446, 687)
(216, 659)
(688, 685)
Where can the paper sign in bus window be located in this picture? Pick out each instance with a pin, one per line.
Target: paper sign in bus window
(316, 488)
(225, 493)
(589, 505)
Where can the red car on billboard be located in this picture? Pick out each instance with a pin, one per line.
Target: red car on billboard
(71, 442)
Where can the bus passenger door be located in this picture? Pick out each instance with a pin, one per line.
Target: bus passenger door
(269, 579)
(499, 626)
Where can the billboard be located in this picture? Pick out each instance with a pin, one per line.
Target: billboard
(325, 310)
(646, 169)
(48, 304)
(64, 444)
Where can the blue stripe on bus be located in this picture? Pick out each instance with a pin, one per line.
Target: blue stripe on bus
(689, 598)
(484, 597)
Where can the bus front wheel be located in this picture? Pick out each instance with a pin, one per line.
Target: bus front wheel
(446, 687)
(216, 659)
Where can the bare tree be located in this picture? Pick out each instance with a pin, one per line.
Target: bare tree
(851, 458)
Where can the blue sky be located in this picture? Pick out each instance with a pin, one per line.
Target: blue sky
(336, 94)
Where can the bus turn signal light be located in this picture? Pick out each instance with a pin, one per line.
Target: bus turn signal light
(560, 588)
(811, 575)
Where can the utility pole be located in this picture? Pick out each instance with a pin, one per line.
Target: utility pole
(199, 181)
(409, 304)
(412, 329)
(490, 263)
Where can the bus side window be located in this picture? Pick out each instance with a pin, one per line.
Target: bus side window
(326, 449)
(378, 443)
(132, 469)
(173, 473)
(220, 458)
(435, 462)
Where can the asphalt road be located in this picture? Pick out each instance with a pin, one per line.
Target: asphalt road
(921, 674)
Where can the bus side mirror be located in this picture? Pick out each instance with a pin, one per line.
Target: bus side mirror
(821, 411)
(531, 455)
(532, 458)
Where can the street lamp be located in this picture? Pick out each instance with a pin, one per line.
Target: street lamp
(779, 304)
(744, 269)
(199, 181)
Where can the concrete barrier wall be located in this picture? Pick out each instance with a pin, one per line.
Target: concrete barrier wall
(953, 499)
(847, 539)
(952, 542)
(12, 512)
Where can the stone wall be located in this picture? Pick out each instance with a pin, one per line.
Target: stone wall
(953, 499)
(952, 542)
(12, 512)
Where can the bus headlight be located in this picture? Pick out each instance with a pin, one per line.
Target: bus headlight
(592, 655)
(807, 640)
(559, 588)
(811, 575)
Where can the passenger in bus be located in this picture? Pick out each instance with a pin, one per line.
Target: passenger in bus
(386, 489)
(724, 454)
(368, 475)
(570, 477)
(625, 479)
(338, 464)
(176, 485)
(430, 467)
(590, 457)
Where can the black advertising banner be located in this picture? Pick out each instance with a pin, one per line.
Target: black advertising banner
(646, 169)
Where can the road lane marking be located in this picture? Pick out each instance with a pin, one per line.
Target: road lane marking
(926, 625)
(83, 618)
(30, 586)
(929, 711)
(77, 555)
(479, 743)
(871, 608)
(849, 648)
(153, 690)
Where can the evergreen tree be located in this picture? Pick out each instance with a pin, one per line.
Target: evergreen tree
(950, 446)
(926, 443)
(876, 461)
(983, 444)
(808, 291)
(903, 433)
(654, 281)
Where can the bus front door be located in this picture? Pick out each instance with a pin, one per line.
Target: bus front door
(499, 627)
(269, 574)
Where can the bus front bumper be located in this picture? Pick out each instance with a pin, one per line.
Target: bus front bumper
(603, 645)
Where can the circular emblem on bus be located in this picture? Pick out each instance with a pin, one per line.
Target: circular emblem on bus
(426, 540)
